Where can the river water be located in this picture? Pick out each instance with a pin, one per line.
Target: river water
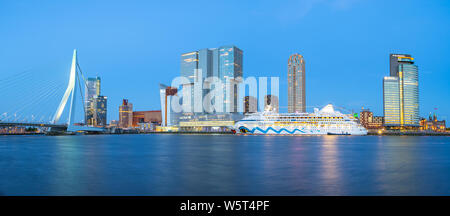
(176, 164)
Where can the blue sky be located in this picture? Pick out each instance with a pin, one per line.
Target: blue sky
(134, 45)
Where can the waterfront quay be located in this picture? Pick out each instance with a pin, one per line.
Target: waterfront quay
(407, 133)
(370, 133)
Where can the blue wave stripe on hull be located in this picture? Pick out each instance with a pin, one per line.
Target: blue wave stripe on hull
(270, 128)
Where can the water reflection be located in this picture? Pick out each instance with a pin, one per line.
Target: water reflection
(66, 159)
(397, 161)
(224, 165)
(329, 167)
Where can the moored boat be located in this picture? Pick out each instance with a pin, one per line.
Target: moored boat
(325, 121)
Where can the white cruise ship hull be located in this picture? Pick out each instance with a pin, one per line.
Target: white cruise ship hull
(276, 130)
(327, 121)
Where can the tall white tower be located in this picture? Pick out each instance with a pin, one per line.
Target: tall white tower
(71, 88)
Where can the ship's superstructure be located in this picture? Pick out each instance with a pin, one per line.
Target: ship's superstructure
(324, 121)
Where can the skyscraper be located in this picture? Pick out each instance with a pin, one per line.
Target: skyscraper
(230, 68)
(224, 62)
(296, 84)
(401, 92)
(126, 114)
(189, 69)
(394, 63)
(391, 101)
(100, 110)
(92, 89)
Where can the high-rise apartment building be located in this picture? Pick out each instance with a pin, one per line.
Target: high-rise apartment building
(92, 89)
(401, 92)
(224, 63)
(126, 114)
(296, 84)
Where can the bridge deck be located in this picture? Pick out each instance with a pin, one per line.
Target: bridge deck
(12, 124)
(72, 128)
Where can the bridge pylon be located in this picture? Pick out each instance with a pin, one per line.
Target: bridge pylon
(70, 92)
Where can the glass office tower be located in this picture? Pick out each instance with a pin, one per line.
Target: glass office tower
(296, 84)
(92, 89)
(189, 62)
(230, 68)
(409, 94)
(394, 63)
(189, 67)
(224, 62)
(401, 93)
(391, 98)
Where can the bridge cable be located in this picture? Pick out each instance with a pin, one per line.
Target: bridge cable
(44, 111)
(7, 84)
(25, 100)
(81, 72)
(36, 100)
(82, 98)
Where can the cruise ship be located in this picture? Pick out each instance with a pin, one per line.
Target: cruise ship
(325, 121)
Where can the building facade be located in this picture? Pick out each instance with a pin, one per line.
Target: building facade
(207, 122)
(189, 69)
(271, 103)
(224, 63)
(100, 106)
(369, 121)
(409, 94)
(401, 93)
(153, 116)
(365, 117)
(126, 114)
(114, 123)
(296, 84)
(391, 101)
(378, 120)
(92, 89)
(394, 63)
(432, 124)
(166, 93)
(250, 104)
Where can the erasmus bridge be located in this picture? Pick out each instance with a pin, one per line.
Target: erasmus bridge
(14, 118)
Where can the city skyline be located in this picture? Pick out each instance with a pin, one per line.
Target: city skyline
(210, 102)
(331, 78)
